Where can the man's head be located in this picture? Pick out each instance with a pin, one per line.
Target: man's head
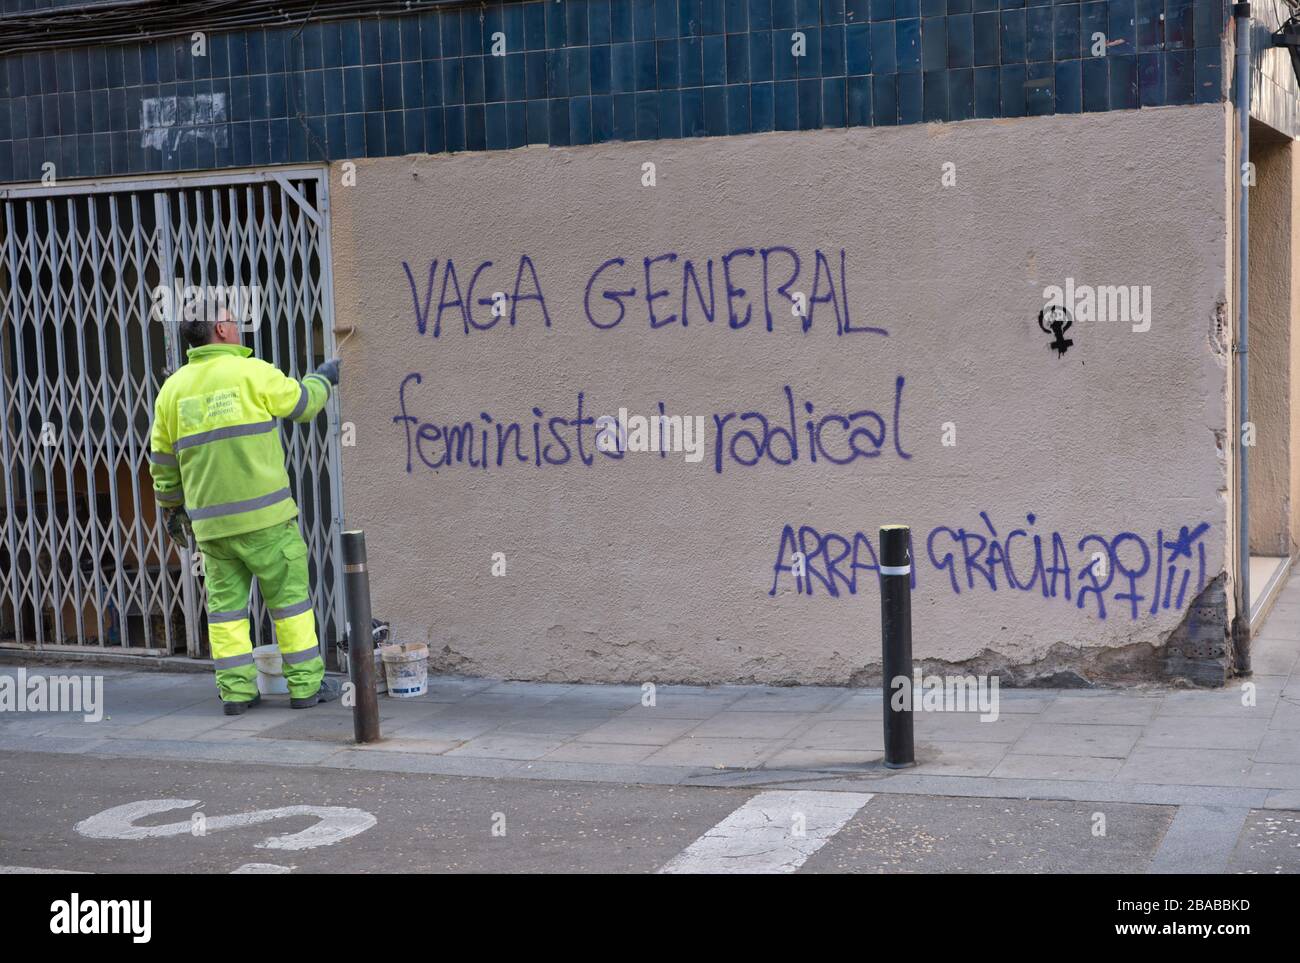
(210, 327)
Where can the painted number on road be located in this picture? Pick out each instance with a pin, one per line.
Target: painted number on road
(336, 823)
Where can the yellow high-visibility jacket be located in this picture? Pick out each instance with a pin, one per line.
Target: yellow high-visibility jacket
(215, 446)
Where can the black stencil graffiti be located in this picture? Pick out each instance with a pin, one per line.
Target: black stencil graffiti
(1056, 320)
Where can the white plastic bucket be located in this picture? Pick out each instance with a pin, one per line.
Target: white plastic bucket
(406, 666)
(381, 682)
(270, 670)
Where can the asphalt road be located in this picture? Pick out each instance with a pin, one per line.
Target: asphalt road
(222, 818)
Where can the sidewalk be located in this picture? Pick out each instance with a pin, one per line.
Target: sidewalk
(1155, 745)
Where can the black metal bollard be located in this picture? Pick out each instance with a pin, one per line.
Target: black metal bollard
(361, 657)
(896, 643)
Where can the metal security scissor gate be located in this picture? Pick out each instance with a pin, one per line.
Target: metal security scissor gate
(85, 343)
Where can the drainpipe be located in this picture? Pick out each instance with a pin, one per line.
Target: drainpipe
(1241, 634)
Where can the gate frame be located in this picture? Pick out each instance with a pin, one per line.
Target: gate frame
(157, 184)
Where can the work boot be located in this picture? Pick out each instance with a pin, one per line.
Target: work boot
(239, 708)
(328, 692)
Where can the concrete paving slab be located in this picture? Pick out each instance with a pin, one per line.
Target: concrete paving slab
(1204, 767)
(496, 746)
(1199, 840)
(1115, 710)
(732, 724)
(959, 758)
(612, 753)
(715, 753)
(970, 727)
(1018, 766)
(1273, 775)
(1190, 732)
(1269, 843)
(1047, 739)
(850, 734)
(645, 728)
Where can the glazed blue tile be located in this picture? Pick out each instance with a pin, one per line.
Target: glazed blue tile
(737, 58)
(646, 107)
(1123, 83)
(534, 28)
(960, 6)
(1096, 84)
(934, 86)
(1011, 83)
(987, 29)
(760, 56)
(556, 35)
(621, 28)
(494, 127)
(1121, 33)
(833, 58)
(602, 118)
(644, 58)
(715, 111)
(907, 9)
(760, 15)
(884, 50)
(859, 102)
(539, 130)
(884, 100)
(667, 19)
(475, 127)
(1209, 77)
(623, 67)
(669, 115)
(710, 18)
(762, 116)
(1094, 20)
(600, 69)
(1066, 28)
(577, 76)
(599, 25)
(961, 40)
(833, 11)
(810, 103)
(857, 41)
(516, 86)
(961, 94)
(807, 13)
(911, 98)
(475, 82)
(1208, 22)
(1180, 76)
(1040, 89)
(580, 120)
(1151, 78)
(882, 10)
(692, 108)
(1012, 39)
(557, 75)
(534, 75)
(1149, 25)
(785, 105)
(810, 64)
(1039, 33)
(667, 56)
(714, 50)
(1180, 29)
(783, 18)
(575, 22)
(690, 62)
(558, 122)
(934, 44)
(834, 102)
(453, 83)
(738, 109)
(933, 8)
(512, 24)
(624, 115)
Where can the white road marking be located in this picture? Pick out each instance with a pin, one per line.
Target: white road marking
(254, 869)
(29, 870)
(337, 823)
(775, 832)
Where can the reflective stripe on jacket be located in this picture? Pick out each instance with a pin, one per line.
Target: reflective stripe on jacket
(215, 446)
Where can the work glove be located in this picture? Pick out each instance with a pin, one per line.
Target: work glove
(329, 371)
(178, 526)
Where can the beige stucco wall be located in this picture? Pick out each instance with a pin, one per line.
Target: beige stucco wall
(656, 568)
(1273, 351)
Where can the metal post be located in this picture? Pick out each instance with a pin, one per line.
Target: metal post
(361, 658)
(896, 643)
(1241, 635)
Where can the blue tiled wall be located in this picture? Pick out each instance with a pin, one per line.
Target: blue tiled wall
(584, 71)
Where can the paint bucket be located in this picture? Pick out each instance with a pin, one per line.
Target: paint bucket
(270, 670)
(407, 667)
(341, 653)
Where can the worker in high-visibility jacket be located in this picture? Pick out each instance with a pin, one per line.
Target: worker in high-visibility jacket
(218, 472)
